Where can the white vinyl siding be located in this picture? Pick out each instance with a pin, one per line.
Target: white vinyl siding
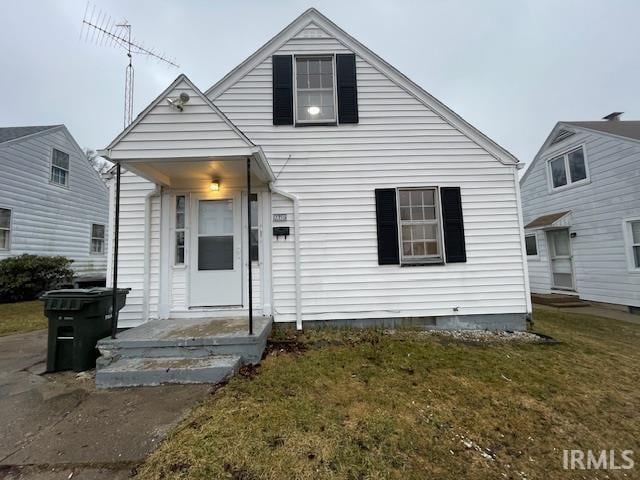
(335, 170)
(598, 211)
(47, 219)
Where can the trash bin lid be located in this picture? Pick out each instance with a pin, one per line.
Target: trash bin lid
(83, 292)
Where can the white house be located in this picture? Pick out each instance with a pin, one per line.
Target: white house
(370, 201)
(52, 202)
(581, 204)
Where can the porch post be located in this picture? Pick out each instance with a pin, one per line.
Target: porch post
(116, 228)
(249, 244)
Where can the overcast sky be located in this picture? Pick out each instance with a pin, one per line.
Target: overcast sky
(511, 68)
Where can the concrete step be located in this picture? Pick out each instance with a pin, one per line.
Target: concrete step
(575, 304)
(142, 371)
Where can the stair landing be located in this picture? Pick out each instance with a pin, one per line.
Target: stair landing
(194, 350)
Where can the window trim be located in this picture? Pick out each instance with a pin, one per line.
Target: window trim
(324, 122)
(417, 261)
(564, 153)
(628, 244)
(91, 238)
(10, 229)
(51, 165)
(174, 241)
(257, 226)
(537, 254)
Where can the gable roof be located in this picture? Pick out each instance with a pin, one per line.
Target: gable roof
(622, 128)
(13, 133)
(179, 79)
(315, 18)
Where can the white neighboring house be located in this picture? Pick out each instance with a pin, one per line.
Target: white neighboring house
(372, 201)
(581, 204)
(52, 202)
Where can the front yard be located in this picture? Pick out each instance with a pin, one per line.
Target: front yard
(21, 317)
(369, 405)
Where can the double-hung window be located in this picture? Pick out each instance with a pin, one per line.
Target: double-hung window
(531, 244)
(315, 90)
(632, 235)
(60, 168)
(569, 168)
(5, 228)
(97, 239)
(419, 225)
(180, 226)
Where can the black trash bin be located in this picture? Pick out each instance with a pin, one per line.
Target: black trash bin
(78, 318)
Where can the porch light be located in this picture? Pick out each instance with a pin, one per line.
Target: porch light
(214, 186)
(313, 110)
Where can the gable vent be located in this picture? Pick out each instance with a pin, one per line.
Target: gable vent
(562, 134)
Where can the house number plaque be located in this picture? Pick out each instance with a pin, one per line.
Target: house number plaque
(279, 217)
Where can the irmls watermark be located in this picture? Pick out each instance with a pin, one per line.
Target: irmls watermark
(597, 459)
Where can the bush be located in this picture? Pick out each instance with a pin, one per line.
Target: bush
(24, 277)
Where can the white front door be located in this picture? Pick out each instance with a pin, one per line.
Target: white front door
(561, 261)
(216, 252)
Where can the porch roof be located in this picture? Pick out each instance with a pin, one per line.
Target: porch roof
(178, 136)
(549, 220)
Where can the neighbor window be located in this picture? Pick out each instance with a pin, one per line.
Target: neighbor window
(568, 168)
(633, 236)
(60, 168)
(5, 228)
(531, 244)
(97, 238)
(180, 222)
(419, 225)
(315, 90)
(255, 233)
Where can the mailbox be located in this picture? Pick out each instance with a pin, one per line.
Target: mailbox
(281, 232)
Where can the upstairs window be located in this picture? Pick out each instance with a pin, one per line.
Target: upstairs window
(97, 239)
(315, 90)
(5, 228)
(60, 168)
(567, 169)
(419, 225)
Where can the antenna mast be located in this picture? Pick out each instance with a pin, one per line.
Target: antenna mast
(101, 30)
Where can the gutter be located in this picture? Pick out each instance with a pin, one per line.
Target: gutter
(296, 250)
(523, 249)
(147, 251)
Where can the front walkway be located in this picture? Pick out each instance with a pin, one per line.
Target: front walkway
(56, 424)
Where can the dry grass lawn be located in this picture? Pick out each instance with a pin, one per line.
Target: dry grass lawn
(21, 317)
(364, 405)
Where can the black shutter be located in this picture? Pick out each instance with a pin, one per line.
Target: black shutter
(387, 222)
(347, 88)
(454, 246)
(282, 89)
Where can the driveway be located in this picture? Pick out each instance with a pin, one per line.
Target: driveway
(56, 425)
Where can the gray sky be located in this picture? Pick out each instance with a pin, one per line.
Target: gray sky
(511, 68)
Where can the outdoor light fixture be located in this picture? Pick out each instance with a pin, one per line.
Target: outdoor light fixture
(313, 110)
(214, 186)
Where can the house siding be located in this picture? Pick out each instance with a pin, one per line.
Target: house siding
(334, 172)
(597, 213)
(48, 219)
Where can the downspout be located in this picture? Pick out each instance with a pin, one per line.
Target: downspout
(296, 250)
(523, 249)
(147, 251)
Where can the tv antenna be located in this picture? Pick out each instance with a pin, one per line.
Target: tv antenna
(99, 28)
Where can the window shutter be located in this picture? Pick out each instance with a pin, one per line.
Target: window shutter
(454, 245)
(282, 79)
(387, 226)
(347, 88)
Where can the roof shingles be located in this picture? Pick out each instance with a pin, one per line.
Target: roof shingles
(11, 133)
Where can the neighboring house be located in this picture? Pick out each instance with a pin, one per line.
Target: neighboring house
(581, 204)
(371, 200)
(51, 201)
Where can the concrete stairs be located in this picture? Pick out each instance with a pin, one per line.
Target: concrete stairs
(559, 301)
(198, 350)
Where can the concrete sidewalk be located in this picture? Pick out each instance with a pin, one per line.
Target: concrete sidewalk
(53, 425)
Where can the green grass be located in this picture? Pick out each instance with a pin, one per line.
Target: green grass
(364, 405)
(21, 317)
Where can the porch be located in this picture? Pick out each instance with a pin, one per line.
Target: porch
(183, 350)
